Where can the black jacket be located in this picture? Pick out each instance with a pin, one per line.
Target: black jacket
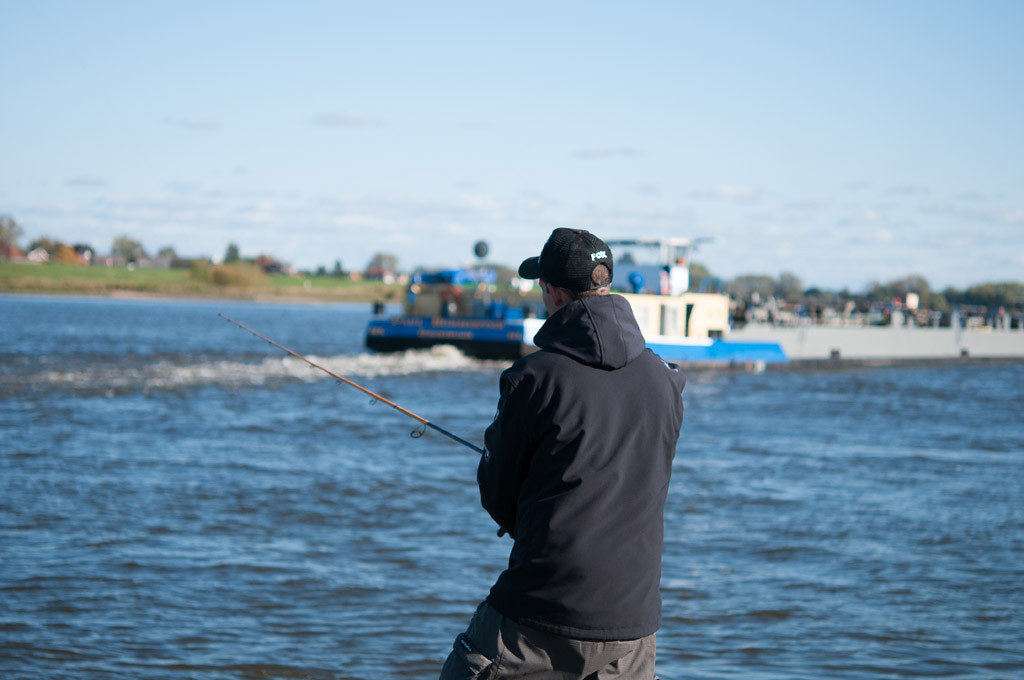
(577, 471)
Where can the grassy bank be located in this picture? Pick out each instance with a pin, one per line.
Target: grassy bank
(19, 277)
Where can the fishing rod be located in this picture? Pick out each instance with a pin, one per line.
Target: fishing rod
(376, 397)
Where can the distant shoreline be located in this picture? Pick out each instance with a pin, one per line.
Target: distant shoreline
(121, 282)
(227, 296)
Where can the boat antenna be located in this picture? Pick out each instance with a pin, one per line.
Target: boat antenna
(374, 396)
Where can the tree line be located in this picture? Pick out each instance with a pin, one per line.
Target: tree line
(123, 246)
(130, 250)
(786, 287)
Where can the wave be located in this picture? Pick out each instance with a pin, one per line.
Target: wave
(135, 374)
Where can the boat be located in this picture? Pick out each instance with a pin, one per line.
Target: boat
(901, 340)
(466, 309)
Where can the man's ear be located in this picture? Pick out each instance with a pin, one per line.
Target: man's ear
(558, 296)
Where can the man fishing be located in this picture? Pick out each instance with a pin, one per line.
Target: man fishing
(576, 471)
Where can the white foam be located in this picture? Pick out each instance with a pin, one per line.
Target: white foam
(168, 374)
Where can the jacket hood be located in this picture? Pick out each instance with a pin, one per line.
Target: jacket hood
(599, 331)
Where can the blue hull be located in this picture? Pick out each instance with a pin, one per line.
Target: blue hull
(506, 339)
(482, 338)
(721, 352)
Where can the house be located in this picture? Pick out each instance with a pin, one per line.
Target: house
(12, 253)
(37, 256)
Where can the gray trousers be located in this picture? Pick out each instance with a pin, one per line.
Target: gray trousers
(496, 648)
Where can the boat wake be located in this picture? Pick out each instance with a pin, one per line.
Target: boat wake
(139, 374)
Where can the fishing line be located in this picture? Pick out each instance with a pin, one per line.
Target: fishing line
(424, 423)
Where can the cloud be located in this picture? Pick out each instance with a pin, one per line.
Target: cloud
(182, 186)
(194, 125)
(311, 229)
(260, 211)
(457, 229)
(809, 205)
(907, 190)
(978, 197)
(864, 217)
(994, 215)
(537, 202)
(347, 119)
(608, 152)
(484, 206)
(728, 192)
(649, 190)
(358, 222)
(87, 182)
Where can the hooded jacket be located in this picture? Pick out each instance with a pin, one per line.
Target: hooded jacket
(577, 469)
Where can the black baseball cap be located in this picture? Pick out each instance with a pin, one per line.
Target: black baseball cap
(568, 260)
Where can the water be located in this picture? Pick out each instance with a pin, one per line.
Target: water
(181, 500)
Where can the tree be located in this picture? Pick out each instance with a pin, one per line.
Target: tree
(66, 254)
(337, 271)
(128, 248)
(939, 303)
(231, 254)
(878, 292)
(239, 274)
(10, 232)
(993, 295)
(46, 243)
(744, 287)
(789, 287)
(382, 264)
(912, 284)
(84, 251)
(898, 288)
(698, 273)
(167, 251)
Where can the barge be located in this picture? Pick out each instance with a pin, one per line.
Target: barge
(464, 308)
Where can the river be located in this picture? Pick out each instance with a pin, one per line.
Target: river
(180, 499)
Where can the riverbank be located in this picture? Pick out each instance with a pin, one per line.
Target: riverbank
(68, 279)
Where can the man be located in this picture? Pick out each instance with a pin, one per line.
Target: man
(576, 471)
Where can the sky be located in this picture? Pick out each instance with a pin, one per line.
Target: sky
(844, 142)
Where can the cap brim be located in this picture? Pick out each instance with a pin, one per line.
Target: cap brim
(530, 268)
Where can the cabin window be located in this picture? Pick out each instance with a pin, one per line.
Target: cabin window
(640, 312)
(669, 324)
